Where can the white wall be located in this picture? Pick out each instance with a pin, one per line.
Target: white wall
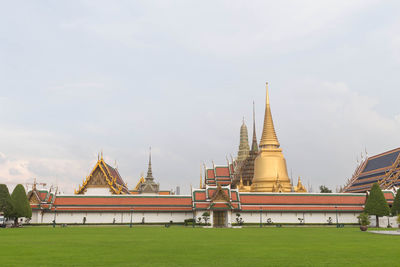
(108, 217)
(163, 217)
(383, 221)
(292, 217)
(98, 191)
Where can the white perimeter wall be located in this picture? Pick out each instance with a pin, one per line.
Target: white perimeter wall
(293, 217)
(164, 217)
(108, 217)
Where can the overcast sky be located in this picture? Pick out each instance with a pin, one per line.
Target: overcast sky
(78, 77)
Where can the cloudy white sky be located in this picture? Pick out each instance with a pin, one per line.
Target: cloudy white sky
(78, 77)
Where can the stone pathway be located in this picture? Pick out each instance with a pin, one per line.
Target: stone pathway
(386, 232)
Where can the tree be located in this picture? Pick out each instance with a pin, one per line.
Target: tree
(22, 208)
(396, 204)
(324, 189)
(6, 204)
(376, 203)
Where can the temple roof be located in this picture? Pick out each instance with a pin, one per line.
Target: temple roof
(123, 202)
(103, 175)
(374, 169)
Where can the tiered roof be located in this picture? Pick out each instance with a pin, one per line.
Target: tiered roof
(380, 168)
(299, 202)
(40, 199)
(216, 198)
(210, 198)
(221, 175)
(124, 203)
(103, 175)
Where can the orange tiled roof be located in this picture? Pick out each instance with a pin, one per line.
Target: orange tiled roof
(308, 199)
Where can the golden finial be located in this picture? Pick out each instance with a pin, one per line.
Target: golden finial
(268, 137)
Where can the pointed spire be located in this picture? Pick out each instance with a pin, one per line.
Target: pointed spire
(269, 138)
(149, 171)
(244, 143)
(254, 145)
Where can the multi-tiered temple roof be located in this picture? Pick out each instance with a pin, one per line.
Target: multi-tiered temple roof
(383, 168)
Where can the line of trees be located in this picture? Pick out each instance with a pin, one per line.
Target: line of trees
(16, 205)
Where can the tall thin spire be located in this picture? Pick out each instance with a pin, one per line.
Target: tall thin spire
(254, 146)
(149, 171)
(244, 143)
(269, 138)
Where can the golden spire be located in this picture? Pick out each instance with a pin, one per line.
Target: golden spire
(269, 138)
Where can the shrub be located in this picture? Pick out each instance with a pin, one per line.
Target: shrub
(206, 216)
(363, 218)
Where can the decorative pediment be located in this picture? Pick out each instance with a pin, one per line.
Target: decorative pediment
(98, 179)
(103, 175)
(33, 198)
(219, 195)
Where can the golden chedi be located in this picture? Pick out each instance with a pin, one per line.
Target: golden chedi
(270, 172)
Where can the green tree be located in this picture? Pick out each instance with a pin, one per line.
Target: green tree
(376, 203)
(22, 208)
(396, 204)
(324, 189)
(6, 205)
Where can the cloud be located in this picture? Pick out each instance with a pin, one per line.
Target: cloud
(14, 171)
(334, 123)
(2, 158)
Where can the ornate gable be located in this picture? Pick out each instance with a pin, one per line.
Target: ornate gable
(98, 179)
(103, 175)
(220, 196)
(33, 197)
(220, 200)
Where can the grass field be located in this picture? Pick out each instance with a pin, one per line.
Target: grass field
(180, 246)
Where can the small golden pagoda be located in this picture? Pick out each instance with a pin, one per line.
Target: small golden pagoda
(270, 172)
(300, 187)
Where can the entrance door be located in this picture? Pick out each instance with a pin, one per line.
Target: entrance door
(219, 218)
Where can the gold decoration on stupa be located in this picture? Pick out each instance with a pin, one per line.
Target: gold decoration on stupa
(270, 172)
(300, 187)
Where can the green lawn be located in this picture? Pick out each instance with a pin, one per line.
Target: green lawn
(180, 246)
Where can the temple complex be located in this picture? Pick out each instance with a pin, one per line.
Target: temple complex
(253, 188)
